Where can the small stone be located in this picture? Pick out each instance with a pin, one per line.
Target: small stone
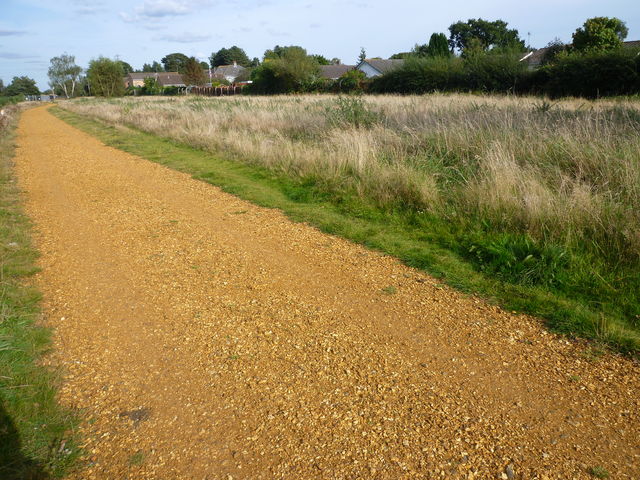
(509, 472)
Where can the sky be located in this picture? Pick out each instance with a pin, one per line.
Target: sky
(141, 31)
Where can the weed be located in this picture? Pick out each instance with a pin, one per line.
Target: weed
(351, 111)
(390, 290)
(598, 472)
(593, 354)
(544, 106)
(137, 459)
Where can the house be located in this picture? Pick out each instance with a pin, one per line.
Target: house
(535, 58)
(333, 72)
(136, 79)
(227, 72)
(164, 79)
(170, 79)
(376, 67)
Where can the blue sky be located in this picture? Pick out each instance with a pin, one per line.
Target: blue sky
(139, 31)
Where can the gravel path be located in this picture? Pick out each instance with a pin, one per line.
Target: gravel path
(204, 337)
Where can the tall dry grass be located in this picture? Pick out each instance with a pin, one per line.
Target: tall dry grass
(566, 172)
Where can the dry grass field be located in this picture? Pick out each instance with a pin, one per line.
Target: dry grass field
(544, 195)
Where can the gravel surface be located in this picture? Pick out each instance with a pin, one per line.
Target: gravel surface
(204, 337)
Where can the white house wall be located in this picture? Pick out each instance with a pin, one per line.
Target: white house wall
(368, 70)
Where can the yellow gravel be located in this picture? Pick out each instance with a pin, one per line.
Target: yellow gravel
(204, 337)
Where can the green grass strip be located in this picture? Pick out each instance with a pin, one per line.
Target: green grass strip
(418, 243)
(36, 433)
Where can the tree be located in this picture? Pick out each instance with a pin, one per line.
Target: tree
(151, 86)
(22, 86)
(174, 62)
(154, 67)
(105, 77)
(126, 68)
(600, 34)
(193, 73)
(321, 59)
(64, 73)
(438, 46)
(1, 88)
(284, 70)
(276, 52)
(490, 35)
(554, 48)
(363, 55)
(226, 56)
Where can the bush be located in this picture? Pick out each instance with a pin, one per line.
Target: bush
(494, 72)
(422, 75)
(591, 75)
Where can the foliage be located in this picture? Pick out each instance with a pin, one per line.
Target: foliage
(284, 70)
(11, 100)
(64, 73)
(151, 87)
(193, 73)
(126, 67)
(404, 55)
(554, 48)
(363, 55)
(493, 72)
(21, 86)
(351, 111)
(352, 81)
(438, 46)
(2, 87)
(226, 56)
(105, 77)
(174, 62)
(154, 67)
(590, 75)
(599, 34)
(489, 35)
(321, 60)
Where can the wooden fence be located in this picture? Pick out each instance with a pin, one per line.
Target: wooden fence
(220, 91)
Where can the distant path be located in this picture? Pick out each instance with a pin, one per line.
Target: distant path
(207, 338)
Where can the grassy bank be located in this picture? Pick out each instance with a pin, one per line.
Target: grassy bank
(534, 204)
(35, 432)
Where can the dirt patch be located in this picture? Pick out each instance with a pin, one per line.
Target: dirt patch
(262, 348)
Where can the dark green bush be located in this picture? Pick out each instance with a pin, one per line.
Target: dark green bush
(494, 72)
(423, 75)
(592, 75)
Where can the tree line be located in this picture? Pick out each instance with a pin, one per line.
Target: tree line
(476, 55)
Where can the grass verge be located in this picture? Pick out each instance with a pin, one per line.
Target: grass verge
(417, 238)
(36, 434)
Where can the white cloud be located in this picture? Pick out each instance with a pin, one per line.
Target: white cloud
(184, 37)
(157, 9)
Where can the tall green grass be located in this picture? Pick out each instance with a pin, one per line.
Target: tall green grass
(539, 199)
(36, 434)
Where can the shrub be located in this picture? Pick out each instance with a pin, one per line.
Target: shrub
(493, 72)
(592, 75)
(422, 75)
